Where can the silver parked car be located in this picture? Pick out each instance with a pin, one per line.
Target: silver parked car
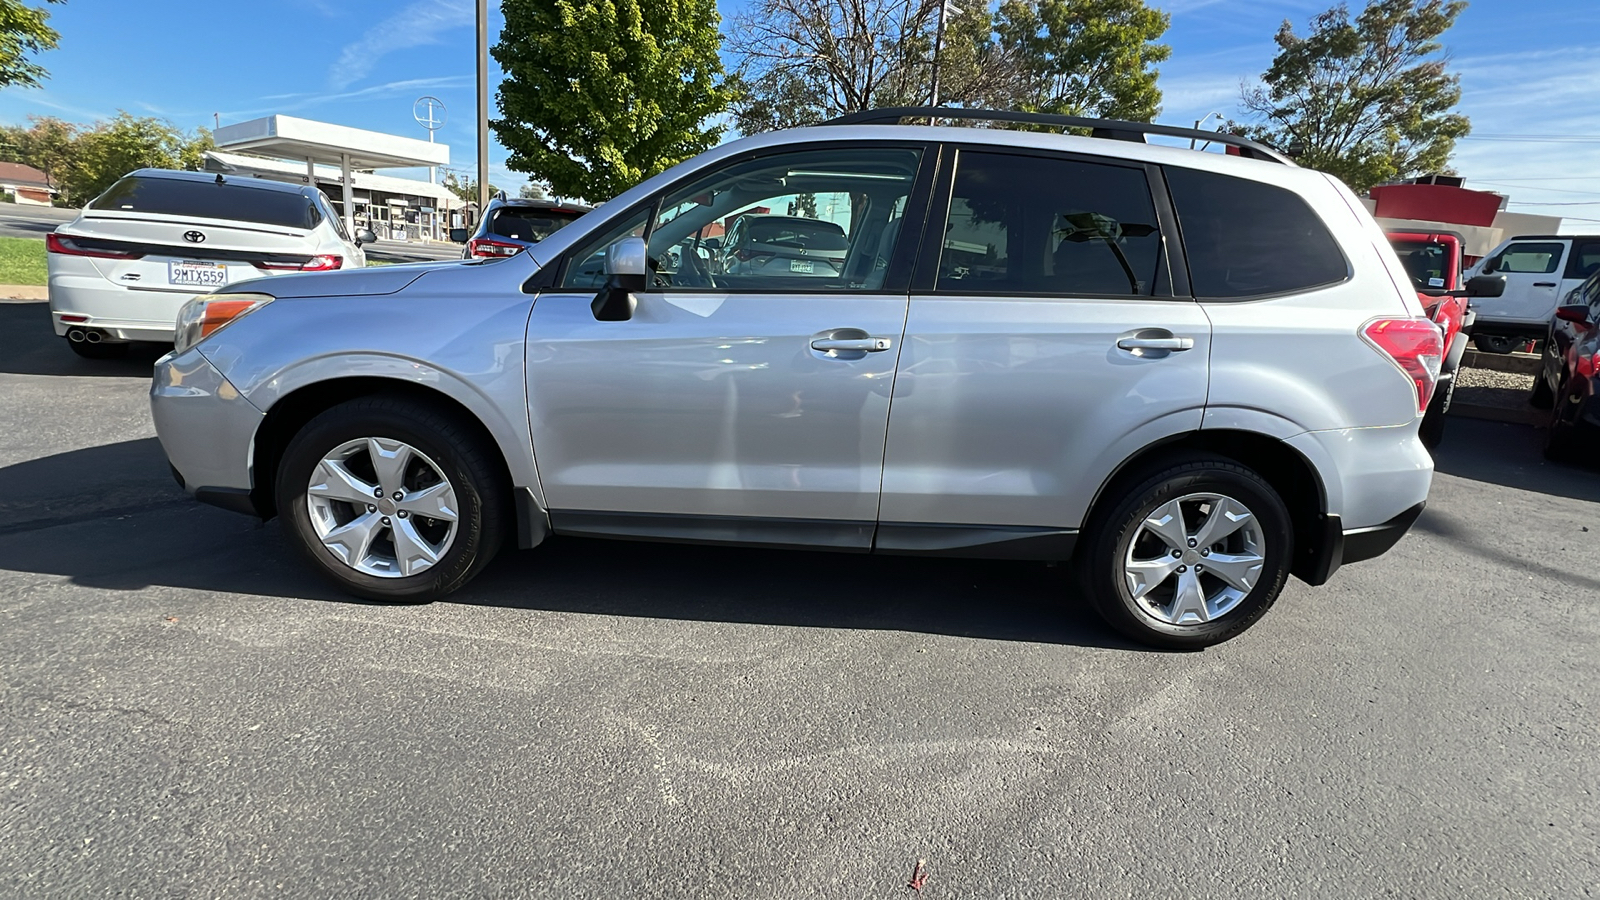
(1193, 374)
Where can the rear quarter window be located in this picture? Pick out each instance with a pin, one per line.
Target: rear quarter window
(209, 200)
(1247, 239)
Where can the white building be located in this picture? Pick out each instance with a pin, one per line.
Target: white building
(300, 151)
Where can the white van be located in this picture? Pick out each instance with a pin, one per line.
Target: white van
(1540, 270)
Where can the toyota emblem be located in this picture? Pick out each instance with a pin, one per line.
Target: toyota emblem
(194, 237)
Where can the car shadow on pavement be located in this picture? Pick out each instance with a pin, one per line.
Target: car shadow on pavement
(1511, 455)
(111, 517)
(29, 346)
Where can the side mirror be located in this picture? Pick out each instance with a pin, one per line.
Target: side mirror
(1577, 313)
(365, 236)
(627, 273)
(1486, 286)
(459, 235)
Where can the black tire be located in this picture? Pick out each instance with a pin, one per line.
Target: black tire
(1559, 444)
(1542, 397)
(459, 453)
(102, 350)
(1497, 343)
(1116, 524)
(1432, 429)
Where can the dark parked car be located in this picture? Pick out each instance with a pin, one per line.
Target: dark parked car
(510, 226)
(1568, 379)
(793, 245)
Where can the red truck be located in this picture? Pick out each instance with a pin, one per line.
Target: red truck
(1434, 262)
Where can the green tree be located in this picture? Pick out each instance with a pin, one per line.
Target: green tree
(48, 144)
(1369, 100)
(109, 150)
(1085, 57)
(601, 94)
(806, 60)
(24, 32)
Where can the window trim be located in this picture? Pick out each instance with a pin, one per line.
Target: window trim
(1349, 269)
(896, 281)
(924, 283)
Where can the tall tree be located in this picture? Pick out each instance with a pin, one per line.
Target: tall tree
(24, 32)
(48, 144)
(601, 94)
(806, 60)
(1086, 57)
(109, 150)
(1369, 100)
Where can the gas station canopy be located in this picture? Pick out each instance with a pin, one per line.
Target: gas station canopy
(286, 137)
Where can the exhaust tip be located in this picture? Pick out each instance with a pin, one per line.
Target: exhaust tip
(75, 335)
(92, 337)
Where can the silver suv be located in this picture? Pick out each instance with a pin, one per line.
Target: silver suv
(1192, 374)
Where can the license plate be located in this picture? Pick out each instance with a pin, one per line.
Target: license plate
(803, 266)
(197, 274)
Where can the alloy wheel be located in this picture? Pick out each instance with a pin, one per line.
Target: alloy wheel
(1193, 559)
(382, 507)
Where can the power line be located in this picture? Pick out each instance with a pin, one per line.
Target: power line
(1562, 203)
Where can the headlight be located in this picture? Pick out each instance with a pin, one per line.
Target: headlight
(208, 314)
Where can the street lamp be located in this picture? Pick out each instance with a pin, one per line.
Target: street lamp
(1201, 121)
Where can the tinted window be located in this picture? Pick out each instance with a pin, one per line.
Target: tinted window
(1028, 225)
(807, 233)
(1425, 262)
(1585, 260)
(1244, 238)
(1538, 259)
(530, 224)
(210, 200)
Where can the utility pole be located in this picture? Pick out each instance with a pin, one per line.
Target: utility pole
(483, 105)
(938, 45)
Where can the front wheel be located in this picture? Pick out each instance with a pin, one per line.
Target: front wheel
(1432, 429)
(392, 499)
(1189, 555)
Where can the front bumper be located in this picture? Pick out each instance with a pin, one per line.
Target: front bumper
(207, 429)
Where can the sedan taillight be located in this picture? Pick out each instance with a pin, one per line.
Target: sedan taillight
(325, 263)
(490, 248)
(66, 246)
(1416, 346)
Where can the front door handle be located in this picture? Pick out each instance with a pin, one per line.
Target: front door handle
(1156, 343)
(868, 344)
(1544, 284)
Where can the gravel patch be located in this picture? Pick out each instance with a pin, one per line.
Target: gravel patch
(1486, 387)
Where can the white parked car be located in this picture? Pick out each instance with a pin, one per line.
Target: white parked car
(138, 252)
(1540, 271)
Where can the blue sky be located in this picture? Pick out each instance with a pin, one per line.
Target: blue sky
(1530, 74)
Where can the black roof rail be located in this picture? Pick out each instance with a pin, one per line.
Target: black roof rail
(1114, 129)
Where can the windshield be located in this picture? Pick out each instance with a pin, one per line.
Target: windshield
(1427, 263)
(531, 225)
(210, 200)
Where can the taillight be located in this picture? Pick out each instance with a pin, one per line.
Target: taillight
(324, 263)
(1588, 365)
(57, 243)
(1416, 346)
(488, 247)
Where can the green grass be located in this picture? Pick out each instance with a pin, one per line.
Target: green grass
(22, 261)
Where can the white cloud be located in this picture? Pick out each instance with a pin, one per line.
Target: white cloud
(418, 25)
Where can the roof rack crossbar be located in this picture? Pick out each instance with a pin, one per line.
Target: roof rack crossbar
(1103, 128)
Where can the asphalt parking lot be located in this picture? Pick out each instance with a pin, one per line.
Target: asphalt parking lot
(187, 711)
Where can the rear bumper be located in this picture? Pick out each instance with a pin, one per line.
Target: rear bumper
(1338, 546)
(1533, 329)
(123, 314)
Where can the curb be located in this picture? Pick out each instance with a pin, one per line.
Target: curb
(24, 292)
(1518, 363)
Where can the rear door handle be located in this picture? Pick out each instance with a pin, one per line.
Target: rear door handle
(1161, 343)
(869, 344)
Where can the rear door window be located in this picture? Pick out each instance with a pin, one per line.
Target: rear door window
(1585, 259)
(210, 200)
(1248, 239)
(1036, 225)
(1527, 259)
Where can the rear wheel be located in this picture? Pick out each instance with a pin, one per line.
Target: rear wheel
(1542, 397)
(1189, 555)
(392, 499)
(101, 350)
(1497, 343)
